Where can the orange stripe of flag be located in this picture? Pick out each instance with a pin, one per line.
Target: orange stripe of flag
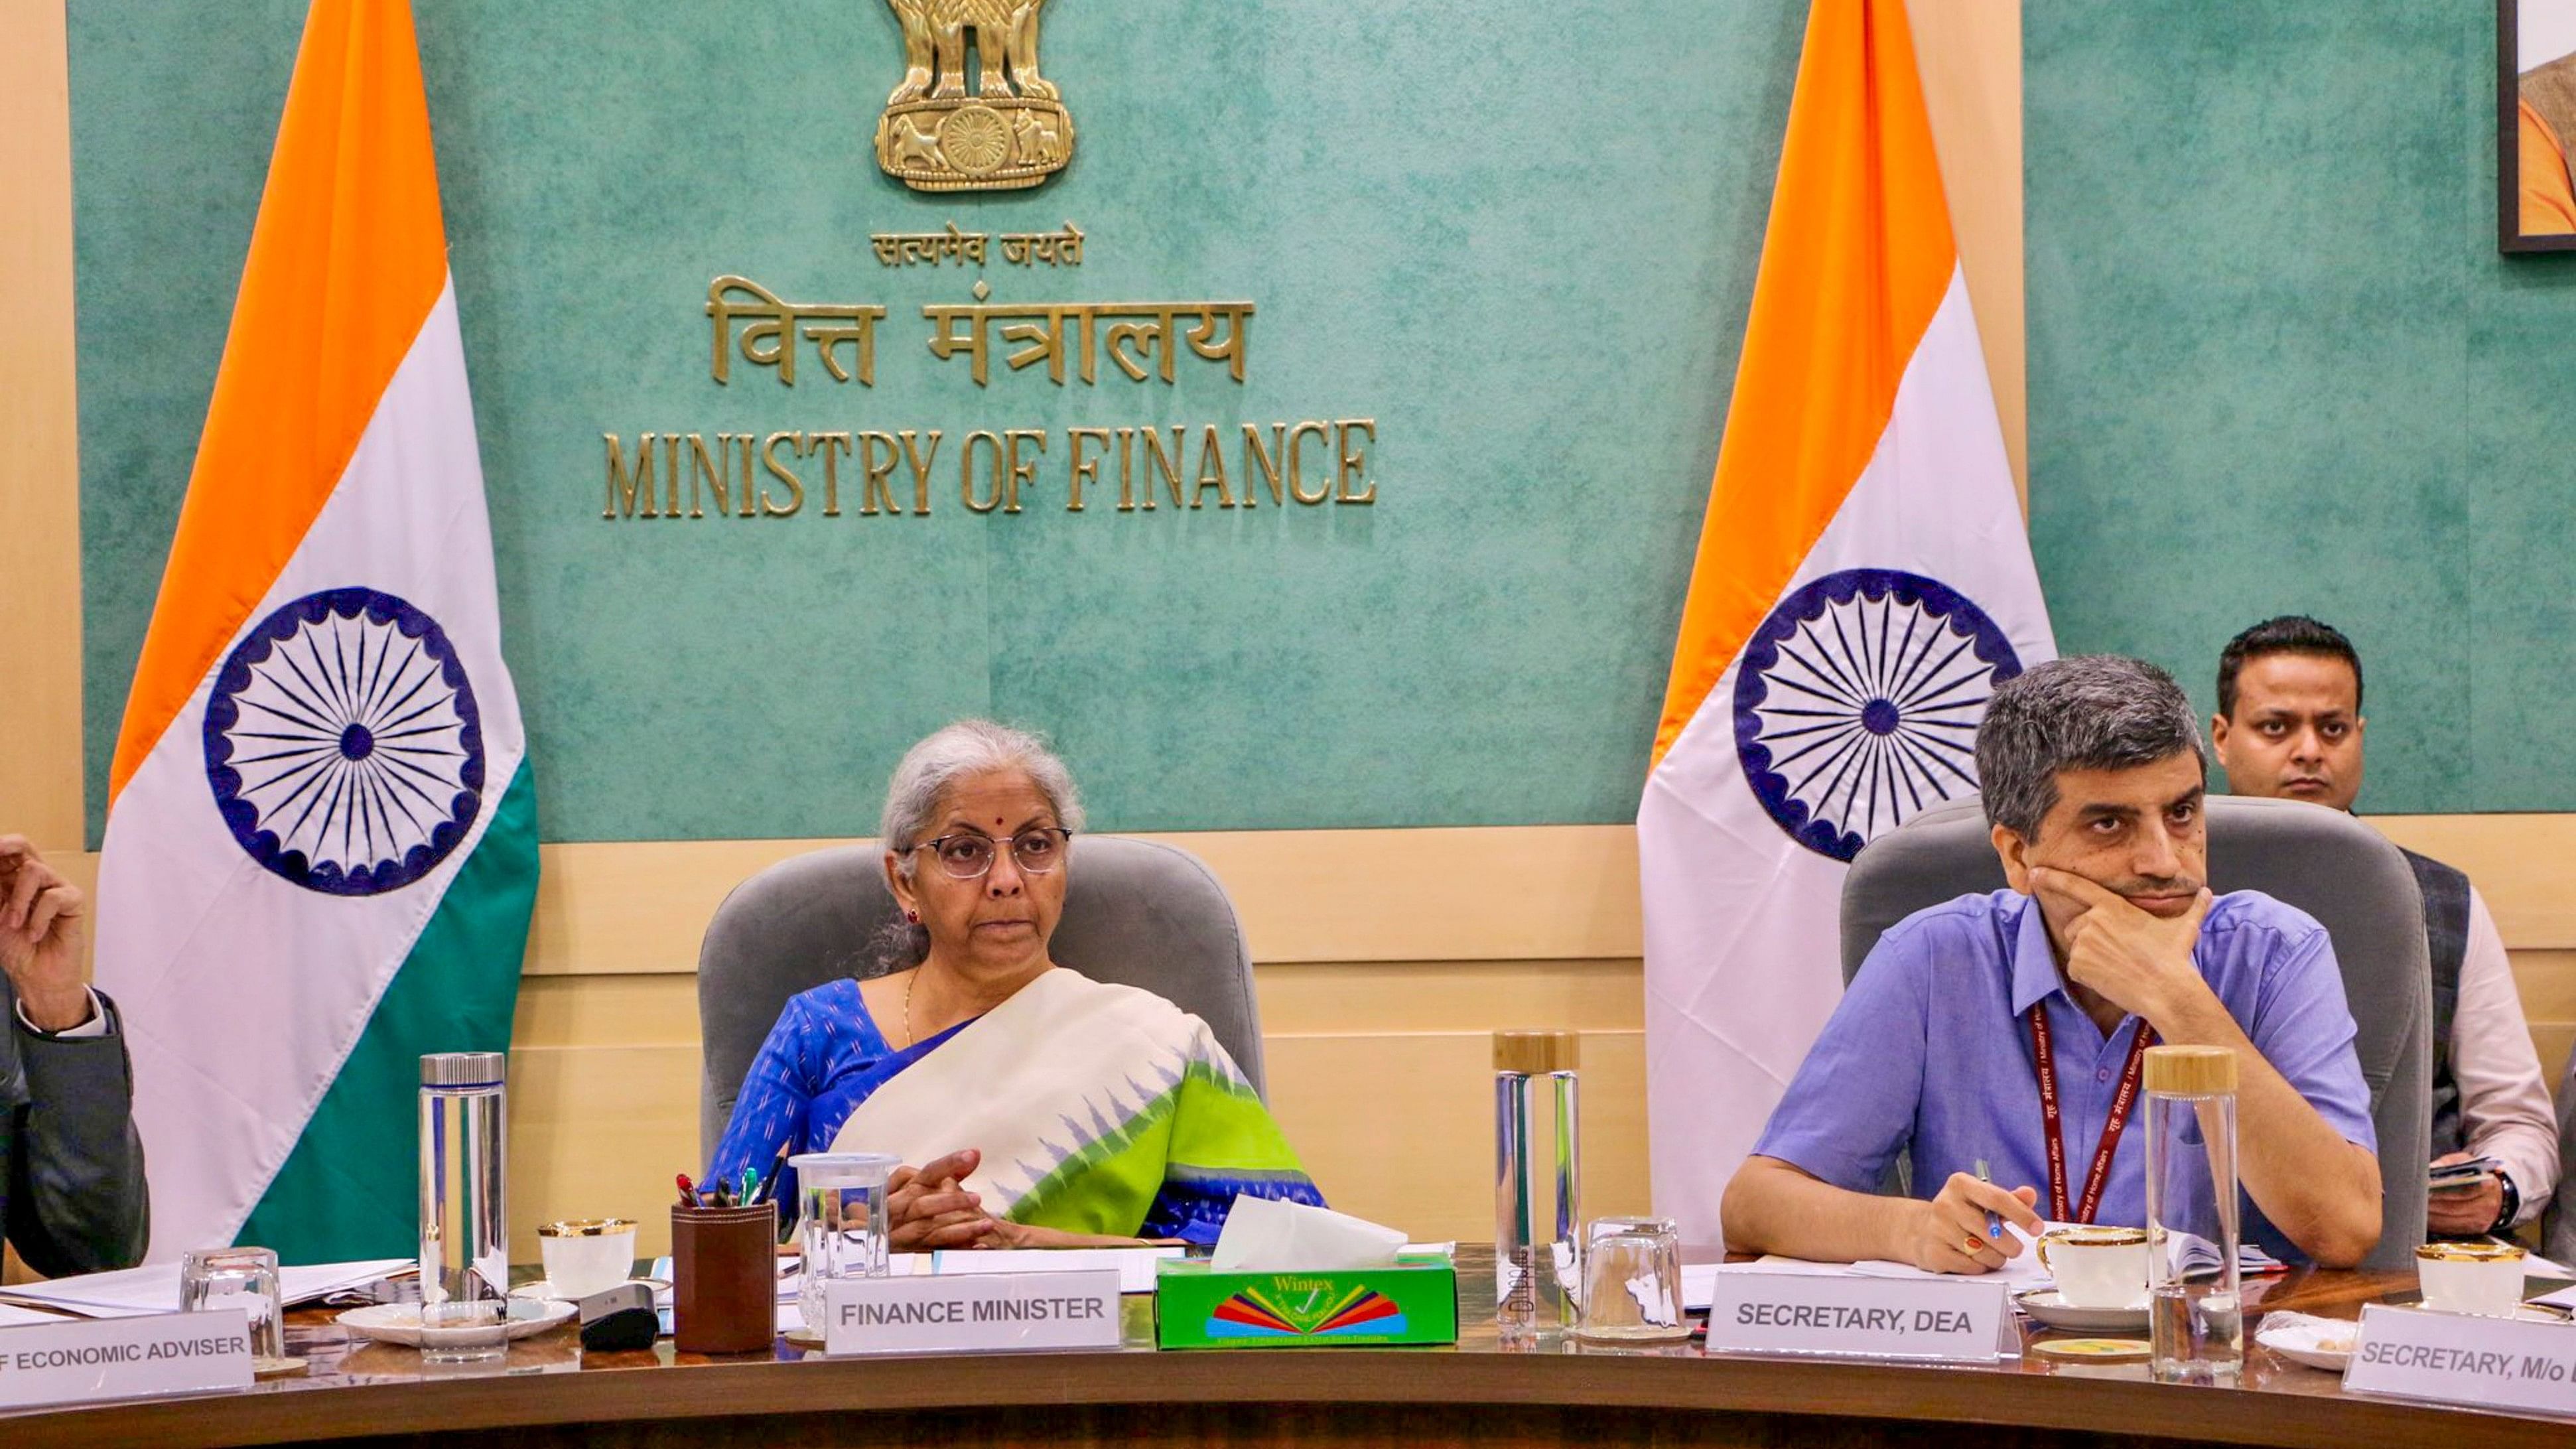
(346, 260)
(1855, 259)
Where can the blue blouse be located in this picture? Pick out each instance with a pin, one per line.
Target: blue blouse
(826, 1056)
(823, 1058)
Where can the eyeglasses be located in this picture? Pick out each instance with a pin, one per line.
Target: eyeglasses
(970, 856)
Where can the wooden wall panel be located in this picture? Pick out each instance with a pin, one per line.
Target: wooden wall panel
(1399, 1128)
(597, 1131)
(1513, 892)
(40, 597)
(2521, 864)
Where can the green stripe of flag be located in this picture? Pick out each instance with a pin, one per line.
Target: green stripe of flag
(351, 1187)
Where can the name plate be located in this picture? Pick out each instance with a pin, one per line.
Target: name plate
(1951, 1320)
(2451, 1358)
(81, 1360)
(972, 1313)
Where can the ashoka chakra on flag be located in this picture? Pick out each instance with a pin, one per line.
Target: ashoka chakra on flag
(343, 743)
(1858, 701)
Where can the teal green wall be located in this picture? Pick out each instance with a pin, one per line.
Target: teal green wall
(2277, 365)
(1463, 220)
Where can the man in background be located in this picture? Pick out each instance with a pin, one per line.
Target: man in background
(71, 1168)
(2289, 725)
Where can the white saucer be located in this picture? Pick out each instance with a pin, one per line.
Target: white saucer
(2051, 1311)
(2318, 1344)
(400, 1322)
(544, 1289)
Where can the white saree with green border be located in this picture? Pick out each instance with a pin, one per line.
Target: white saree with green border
(1097, 1108)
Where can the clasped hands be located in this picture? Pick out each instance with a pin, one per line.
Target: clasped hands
(930, 1207)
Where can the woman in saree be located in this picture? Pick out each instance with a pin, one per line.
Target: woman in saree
(1031, 1105)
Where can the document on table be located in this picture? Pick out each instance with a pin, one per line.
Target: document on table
(13, 1316)
(2022, 1273)
(154, 1287)
(1135, 1266)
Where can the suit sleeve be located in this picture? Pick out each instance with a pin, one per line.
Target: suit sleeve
(77, 1199)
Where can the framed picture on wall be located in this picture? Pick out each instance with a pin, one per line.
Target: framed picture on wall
(2535, 125)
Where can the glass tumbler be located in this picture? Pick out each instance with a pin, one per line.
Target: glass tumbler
(244, 1278)
(1632, 1281)
(840, 1221)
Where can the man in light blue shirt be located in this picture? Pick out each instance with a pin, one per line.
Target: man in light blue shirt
(2091, 771)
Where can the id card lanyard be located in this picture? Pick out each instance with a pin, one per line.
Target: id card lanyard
(2122, 1102)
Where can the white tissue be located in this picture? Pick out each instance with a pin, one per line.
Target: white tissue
(1264, 1235)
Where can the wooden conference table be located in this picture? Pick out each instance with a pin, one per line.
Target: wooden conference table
(553, 1393)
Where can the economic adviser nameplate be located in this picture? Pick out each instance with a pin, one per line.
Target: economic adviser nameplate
(82, 1360)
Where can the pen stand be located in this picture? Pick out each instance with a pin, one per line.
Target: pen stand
(724, 1278)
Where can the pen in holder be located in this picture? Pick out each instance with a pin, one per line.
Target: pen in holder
(724, 1278)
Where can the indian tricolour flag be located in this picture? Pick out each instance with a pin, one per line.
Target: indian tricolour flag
(321, 835)
(1863, 582)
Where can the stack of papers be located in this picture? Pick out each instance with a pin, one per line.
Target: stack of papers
(154, 1287)
(1135, 1266)
(2023, 1273)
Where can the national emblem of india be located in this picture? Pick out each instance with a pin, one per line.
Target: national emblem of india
(1011, 132)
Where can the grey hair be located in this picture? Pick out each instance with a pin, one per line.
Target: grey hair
(2084, 712)
(960, 751)
(955, 752)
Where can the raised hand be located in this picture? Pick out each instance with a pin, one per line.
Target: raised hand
(42, 916)
(2138, 959)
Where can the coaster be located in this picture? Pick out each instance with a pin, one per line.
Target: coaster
(803, 1337)
(2094, 1350)
(277, 1368)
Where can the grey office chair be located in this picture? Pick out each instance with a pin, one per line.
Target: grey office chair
(2322, 861)
(1135, 912)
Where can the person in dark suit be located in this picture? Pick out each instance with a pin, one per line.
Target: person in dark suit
(72, 1195)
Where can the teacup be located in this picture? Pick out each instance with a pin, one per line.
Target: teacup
(2480, 1278)
(587, 1255)
(2097, 1267)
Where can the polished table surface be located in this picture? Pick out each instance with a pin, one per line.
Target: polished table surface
(552, 1392)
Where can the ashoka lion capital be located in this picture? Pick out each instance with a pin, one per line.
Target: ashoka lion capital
(1012, 132)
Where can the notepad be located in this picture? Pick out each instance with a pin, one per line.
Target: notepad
(154, 1287)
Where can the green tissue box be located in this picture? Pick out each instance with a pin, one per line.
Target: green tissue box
(1416, 1301)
